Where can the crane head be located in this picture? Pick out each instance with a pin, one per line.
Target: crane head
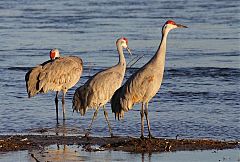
(124, 43)
(170, 24)
(54, 53)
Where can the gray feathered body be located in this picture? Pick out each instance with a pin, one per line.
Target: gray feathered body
(142, 85)
(54, 75)
(98, 90)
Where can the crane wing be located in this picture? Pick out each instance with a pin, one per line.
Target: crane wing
(136, 86)
(97, 91)
(133, 91)
(102, 86)
(62, 73)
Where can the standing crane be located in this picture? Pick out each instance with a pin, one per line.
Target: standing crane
(56, 74)
(98, 90)
(144, 83)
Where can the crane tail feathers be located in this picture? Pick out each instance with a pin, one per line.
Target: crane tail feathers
(78, 103)
(119, 104)
(32, 81)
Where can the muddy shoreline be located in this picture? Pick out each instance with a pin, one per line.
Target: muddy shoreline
(128, 144)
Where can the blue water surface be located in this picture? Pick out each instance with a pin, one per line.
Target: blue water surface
(199, 97)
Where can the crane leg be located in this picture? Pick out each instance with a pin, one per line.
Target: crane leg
(142, 120)
(148, 123)
(106, 116)
(56, 103)
(93, 118)
(63, 105)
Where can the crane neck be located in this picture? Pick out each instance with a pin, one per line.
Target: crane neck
(122, 60)
(160, 55)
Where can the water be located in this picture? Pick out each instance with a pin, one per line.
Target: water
(200, 94)
(74, 153)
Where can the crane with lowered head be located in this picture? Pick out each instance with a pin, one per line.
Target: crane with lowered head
(56, 74)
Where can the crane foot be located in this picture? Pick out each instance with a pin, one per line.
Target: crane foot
(86, 135)
(111, 135)
(142, 137)
(151, 137)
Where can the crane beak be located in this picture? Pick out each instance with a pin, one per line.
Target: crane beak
(129, 51)
(181, 26)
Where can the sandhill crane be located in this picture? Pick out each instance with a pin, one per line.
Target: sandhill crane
(98, 90)
(56, 74)
(144, 83)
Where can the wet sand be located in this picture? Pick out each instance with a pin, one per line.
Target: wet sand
(128, 144)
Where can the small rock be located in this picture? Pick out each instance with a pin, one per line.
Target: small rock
(24, 139)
